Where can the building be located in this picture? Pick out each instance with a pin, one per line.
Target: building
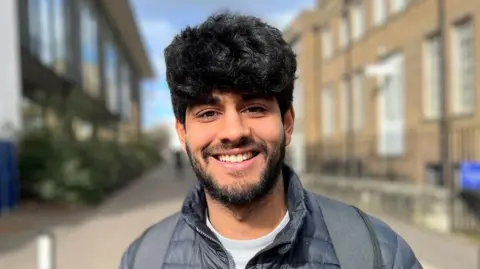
(80, 59)
(371, 86)
(73, 65)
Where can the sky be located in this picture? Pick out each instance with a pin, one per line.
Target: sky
(161, 20)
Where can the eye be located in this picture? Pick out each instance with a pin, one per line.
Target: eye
(207, 115)
(255, 110)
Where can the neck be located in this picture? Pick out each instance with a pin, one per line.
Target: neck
(249, 222)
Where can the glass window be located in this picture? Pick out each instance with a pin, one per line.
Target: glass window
(47, 32)
(343, 35)
(327, 47)
(34, 26)
(111, 77)
(398, 5)
(432, 78)
(125, 89)
(328, 115)
(89, 48)
(464, 63)
(40, 30)
(358, 22)
(344, 104)
(379, 11)
(60, 23)
(358, 100)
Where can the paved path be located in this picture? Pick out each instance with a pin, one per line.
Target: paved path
(437, 251)
(98, 242)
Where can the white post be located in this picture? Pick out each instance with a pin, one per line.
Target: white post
(46, 251)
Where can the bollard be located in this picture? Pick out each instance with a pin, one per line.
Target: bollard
(46, 251)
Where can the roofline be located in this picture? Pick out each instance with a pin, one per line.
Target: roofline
(123, 20)
(297, 26)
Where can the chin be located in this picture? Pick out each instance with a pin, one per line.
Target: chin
(250, 176)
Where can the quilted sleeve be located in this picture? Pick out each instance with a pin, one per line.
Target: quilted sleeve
(404, 256)
(396, 252)
(127, 257)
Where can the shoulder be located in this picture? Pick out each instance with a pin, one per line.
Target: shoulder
(128, 257)
(395, 250)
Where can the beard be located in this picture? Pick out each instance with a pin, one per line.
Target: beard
(239, 196)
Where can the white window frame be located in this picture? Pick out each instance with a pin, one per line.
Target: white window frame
(328, 111)
(327, 42)
(358, 20)
(463, 68)
(379, 12)
(431, 86)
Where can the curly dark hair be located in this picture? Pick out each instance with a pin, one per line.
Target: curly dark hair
(229, 53)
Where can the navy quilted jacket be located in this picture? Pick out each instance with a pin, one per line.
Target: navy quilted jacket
(304, 243)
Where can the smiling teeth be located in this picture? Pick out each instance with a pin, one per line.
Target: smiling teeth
(235, 158)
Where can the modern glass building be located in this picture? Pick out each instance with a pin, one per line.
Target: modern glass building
(89, 51)
(74, 65)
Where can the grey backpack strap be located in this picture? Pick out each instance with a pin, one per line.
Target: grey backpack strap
(153, 244)
(351, 232)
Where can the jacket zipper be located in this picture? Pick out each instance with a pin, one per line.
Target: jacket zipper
(231, 264)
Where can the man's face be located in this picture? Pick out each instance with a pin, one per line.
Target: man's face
(236, 145)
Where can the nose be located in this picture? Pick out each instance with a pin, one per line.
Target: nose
(234, 128)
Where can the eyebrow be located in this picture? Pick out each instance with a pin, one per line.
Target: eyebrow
(213, 100)
(209, 100)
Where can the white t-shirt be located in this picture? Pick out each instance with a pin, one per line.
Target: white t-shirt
(243, 251)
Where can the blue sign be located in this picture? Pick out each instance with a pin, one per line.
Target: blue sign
(470, 175)
(8, 176)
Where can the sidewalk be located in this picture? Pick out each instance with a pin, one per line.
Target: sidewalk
(99, 241)
(434, 250)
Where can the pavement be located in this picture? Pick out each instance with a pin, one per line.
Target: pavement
(96, 239)
(434, 250)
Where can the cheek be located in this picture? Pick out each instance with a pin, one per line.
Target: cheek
(269, 131)
(198, 138)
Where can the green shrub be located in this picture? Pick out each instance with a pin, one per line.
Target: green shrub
(56, 169)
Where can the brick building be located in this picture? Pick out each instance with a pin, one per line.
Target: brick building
(369, 94)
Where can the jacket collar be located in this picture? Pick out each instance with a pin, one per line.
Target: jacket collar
(195, 206)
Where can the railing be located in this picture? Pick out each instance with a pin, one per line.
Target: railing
(418, 163)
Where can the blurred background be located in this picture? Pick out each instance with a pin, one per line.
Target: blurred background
(386, 119)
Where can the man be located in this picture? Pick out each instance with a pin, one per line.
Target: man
(178, 164)
(231, 80)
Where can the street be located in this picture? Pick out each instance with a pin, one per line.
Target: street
(98, 242)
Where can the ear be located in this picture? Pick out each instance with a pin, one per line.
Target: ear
(288, 123)
(181, 133)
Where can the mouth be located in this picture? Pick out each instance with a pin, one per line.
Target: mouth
(236, 158)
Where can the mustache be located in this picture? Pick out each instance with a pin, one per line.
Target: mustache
(241, 143)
